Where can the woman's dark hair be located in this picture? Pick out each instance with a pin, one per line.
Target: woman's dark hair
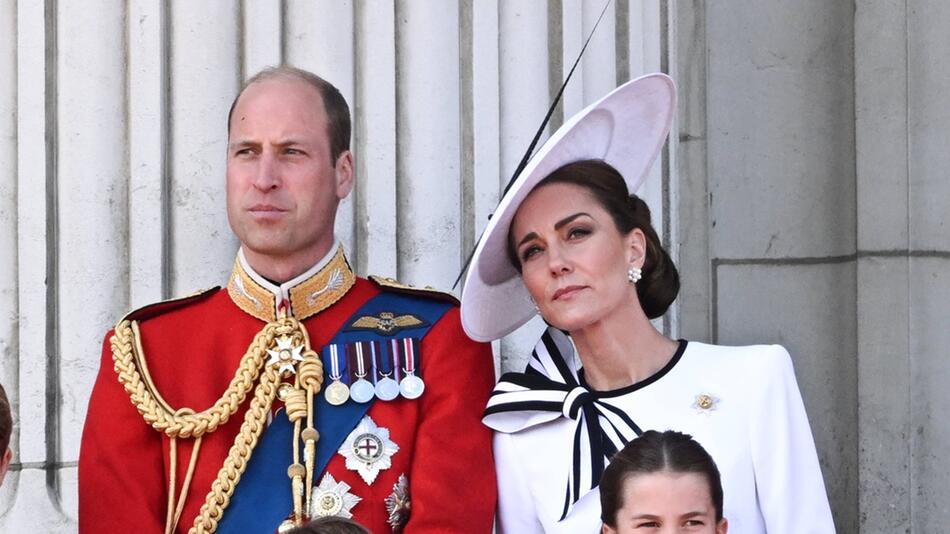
(661, 282)
(331, 525)
(655, 452)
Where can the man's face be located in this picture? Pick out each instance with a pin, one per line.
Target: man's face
(283, 187)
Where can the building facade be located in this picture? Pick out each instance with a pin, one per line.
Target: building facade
(803, 192)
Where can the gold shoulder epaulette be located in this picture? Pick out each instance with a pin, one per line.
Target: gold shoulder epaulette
(390, 284)
(158, 308)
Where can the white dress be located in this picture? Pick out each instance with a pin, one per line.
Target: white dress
(751, 421)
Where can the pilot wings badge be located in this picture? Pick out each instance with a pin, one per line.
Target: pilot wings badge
(386, 323)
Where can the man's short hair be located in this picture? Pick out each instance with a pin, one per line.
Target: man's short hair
(6, 421)
(338, 112)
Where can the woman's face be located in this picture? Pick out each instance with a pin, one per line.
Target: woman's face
(574, 261)
(667, 503)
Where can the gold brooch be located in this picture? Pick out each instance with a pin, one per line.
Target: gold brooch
(705, 403)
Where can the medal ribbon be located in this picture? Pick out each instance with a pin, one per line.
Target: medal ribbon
(360, 364)
(335, 373)
(409, 355)
(373, 357)
(385, 365)
(395, 354)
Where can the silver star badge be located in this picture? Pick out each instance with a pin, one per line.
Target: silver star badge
(398, 504)
(332, 498)
(285, 355)
(368, 449)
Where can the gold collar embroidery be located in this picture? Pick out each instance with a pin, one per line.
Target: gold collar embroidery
(307, 297)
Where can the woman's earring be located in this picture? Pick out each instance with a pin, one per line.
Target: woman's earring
(634, 274)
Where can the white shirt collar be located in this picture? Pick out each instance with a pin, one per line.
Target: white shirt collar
(282, 292)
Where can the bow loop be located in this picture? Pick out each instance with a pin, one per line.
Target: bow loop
(550, 389)
(575, 400)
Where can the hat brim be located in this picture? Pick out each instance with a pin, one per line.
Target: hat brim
(626, 129)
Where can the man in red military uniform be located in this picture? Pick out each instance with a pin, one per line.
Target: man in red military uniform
(299, 390)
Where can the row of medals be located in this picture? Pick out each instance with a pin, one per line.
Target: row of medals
(363, 391)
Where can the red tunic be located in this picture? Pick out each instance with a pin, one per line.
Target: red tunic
(192, 352)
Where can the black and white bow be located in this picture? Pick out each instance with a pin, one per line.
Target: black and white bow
(550, 388)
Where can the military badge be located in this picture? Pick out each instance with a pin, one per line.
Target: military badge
(398, 505)
(333, 498)
(360, 356)
(285, 356)
(386, 323)
(368, 449)
(337, 392)
(411, 385)
(386, 363)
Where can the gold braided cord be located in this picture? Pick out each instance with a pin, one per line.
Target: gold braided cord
(186, 485)
(222, 488)
(128, 361)
(132, 370)
(172, 474)
(174, 510)
(310, 437)
(295, 401)
(310, 372)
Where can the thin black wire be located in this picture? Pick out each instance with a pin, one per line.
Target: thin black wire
(537, 136)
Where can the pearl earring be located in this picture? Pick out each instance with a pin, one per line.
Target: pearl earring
(634, 275)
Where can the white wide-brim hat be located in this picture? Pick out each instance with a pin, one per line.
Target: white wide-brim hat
(626, 129)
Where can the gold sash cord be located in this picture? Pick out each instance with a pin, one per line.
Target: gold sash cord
(132, 370)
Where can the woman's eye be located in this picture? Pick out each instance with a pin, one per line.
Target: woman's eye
(648, 524)
(694, 523)
(530, 252)
(577, 233)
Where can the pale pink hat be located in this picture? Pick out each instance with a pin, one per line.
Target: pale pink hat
(626, 129)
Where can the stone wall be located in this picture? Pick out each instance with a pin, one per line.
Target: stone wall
(813, 195)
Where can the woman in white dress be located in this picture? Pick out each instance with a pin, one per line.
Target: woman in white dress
(570, 242)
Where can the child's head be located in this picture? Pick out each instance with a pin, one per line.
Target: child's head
(331, 525)
(662, 482)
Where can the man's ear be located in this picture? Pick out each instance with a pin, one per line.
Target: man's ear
(5, 464)
(343, 173)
